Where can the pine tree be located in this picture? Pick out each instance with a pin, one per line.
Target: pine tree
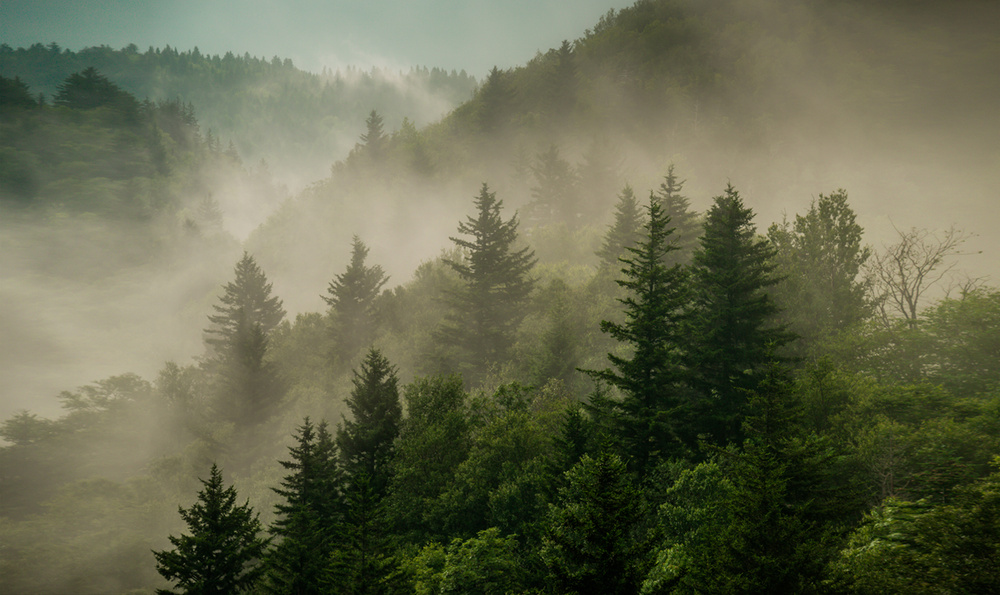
(223, 553)
(685, 222)
(486, 310)
(351, 299)
(555, 191)
(732, 333)
(650, 418)
(309, 516)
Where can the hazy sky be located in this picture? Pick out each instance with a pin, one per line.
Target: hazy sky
(473, 35)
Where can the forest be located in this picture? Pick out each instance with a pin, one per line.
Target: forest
(678, 306)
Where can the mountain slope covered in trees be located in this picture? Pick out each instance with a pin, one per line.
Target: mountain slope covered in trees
(563, 340)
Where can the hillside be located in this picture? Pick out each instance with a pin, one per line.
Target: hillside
(296, 121)
(689, 304)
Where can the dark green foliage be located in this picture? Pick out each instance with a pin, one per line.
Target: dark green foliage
(309, 518)
(733, 335)
(352, 299)
(494, 100)
(246, 303)
(89, 89)
(589, 545)
(366, 442)
(223, 553)
(486, 311)
(912, 547)
(433, 441)
(650, 419)
(14, 94)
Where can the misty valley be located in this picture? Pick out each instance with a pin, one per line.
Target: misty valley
(702, 301)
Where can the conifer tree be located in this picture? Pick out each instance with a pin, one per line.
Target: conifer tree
(366, 442)
(309, 517)
(650, 418)
(246, 302)
(223, 553)
(732, 332)
(366, 445)
(685, 222)
(247, 386)
(351, 299)
(625, 232)
(486, 310)
(555, 191)
(374, 138)
(589, 545)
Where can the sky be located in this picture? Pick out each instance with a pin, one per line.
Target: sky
(470, 35)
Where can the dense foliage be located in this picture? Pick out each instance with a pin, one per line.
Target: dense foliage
(592, 394)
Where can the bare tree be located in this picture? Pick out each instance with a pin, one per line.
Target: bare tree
(901, 275)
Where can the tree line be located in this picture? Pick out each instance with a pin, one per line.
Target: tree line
(726, 445)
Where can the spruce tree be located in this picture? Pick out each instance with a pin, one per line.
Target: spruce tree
(589, 545)
(374, 138)
(247, 385)
(732, 333)
(488, 307)
(651, 416)
(223, 553)
(625, 232)
(684, 220)
(366, 444)
(309, 516)
(246, 302)
(351, 299)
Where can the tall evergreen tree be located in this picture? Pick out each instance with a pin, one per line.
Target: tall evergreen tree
(589, 545)
(625, 232)
(351, 299)
(223, 553)
(366, 442)
(555, 191)
(247, 386)
(366, 445)
(374, 138)
(650, 418)
(684, 220)
(732, 333)
(486, 310)
(246, 302)
(309, 517)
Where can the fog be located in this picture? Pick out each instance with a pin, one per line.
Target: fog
(900, 112)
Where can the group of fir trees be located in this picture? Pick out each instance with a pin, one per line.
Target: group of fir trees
(701, 329)
(329, 531)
